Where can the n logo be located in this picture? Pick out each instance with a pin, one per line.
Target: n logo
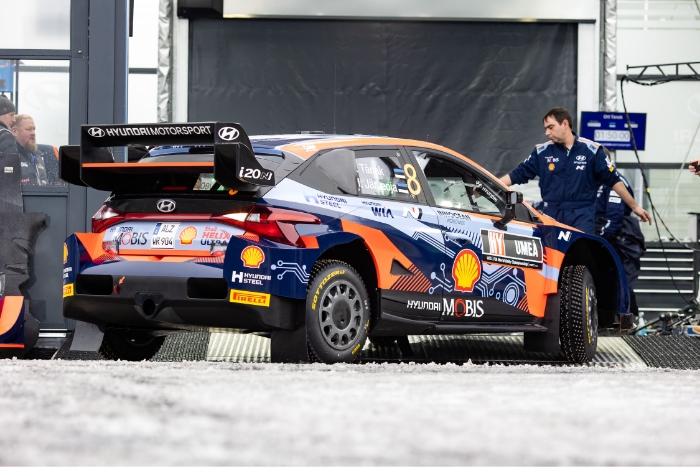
(564, 236)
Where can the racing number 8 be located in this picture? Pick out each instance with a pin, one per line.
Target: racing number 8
(411, 180)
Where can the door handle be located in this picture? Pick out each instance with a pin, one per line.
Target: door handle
(454, 237)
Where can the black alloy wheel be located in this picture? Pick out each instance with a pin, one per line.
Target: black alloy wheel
(337, 312)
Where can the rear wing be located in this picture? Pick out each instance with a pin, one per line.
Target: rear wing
(92, 163)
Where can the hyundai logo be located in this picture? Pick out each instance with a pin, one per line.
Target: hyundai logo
(166, 205)
(228, 133)
(96, 132)
(580, 158)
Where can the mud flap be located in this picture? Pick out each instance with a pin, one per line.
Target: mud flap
(291, 346)
(87, 337)
(31, 329)
(546, 341)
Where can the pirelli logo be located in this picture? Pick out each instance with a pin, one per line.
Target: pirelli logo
(68, 290)
(250, 298)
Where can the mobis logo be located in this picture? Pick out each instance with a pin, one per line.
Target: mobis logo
(463, 308)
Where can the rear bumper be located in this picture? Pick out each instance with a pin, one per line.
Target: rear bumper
(174, 307)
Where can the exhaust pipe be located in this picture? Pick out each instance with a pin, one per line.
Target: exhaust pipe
(148, 304)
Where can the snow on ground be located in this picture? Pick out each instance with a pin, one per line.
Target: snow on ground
(67, 412)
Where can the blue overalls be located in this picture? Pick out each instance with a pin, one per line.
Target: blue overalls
(569, 179)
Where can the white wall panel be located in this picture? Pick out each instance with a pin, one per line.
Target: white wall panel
(502, 10)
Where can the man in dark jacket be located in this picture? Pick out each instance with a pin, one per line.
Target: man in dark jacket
(570, 170)
(7, 119)
(614, 222)
(31, 160)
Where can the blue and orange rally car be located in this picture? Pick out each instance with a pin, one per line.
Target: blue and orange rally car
(320, 241)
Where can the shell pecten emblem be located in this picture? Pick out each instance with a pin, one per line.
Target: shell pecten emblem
(65, 253)
(252, 257)
(187, 235)
(466, 270)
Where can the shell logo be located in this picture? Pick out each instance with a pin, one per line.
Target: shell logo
(466, 271)
(187, 235)
(65, 253)
(551, 167)
(252, 257)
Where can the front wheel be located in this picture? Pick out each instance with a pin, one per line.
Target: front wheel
(337, 313)
(578, 322)
(134, 346)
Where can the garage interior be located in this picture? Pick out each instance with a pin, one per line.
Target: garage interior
(466, 77)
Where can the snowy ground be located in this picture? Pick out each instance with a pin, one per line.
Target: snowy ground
(65, 412)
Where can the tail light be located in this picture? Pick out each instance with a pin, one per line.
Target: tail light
(271, 223)
(105, 217)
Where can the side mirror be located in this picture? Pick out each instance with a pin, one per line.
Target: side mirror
(512, 198)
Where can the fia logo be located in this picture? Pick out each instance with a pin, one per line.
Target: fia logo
(566, 236)
(382, 212)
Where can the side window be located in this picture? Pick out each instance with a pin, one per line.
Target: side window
(457, 187)
(380, 172)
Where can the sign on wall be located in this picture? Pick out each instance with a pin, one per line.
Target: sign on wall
(7, 77)
(610, 129)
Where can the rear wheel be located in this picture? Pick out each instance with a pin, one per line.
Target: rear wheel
(121, 344)
(337, 312)
(578, 322)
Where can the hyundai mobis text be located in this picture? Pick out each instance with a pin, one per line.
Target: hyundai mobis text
(321, 241)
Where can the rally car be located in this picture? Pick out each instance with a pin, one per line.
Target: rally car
(319, 242)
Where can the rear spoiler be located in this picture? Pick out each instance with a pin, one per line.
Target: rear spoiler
(92, 163)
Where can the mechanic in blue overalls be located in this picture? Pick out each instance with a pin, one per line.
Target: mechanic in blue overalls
(570, 170)
(614, 222)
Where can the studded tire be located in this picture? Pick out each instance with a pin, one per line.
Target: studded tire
(337, 312)
(134, 346)
(578, 322)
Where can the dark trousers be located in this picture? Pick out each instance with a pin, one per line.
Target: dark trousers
(582, 219)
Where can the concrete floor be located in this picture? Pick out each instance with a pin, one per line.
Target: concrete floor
(81, 412)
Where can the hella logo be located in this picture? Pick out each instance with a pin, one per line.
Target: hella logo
(96, 132)
(166, 205)
(228, 133)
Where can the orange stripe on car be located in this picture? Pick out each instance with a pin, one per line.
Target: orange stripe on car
(554, 257)
(11, 309)
(382, 249)
(92, 243)
(310, 241)
(535, 284)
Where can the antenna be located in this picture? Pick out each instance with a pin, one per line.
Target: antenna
(335, 81)
(324, 128)
(427, 138)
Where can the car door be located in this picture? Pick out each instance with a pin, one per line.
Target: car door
(485, 272)
(391, 206)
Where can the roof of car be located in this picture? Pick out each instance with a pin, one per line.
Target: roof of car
(306, 145)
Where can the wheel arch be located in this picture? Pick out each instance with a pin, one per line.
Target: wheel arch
(357, 254)
(608, 276)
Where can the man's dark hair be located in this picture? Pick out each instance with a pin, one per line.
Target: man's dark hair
(560, 114)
